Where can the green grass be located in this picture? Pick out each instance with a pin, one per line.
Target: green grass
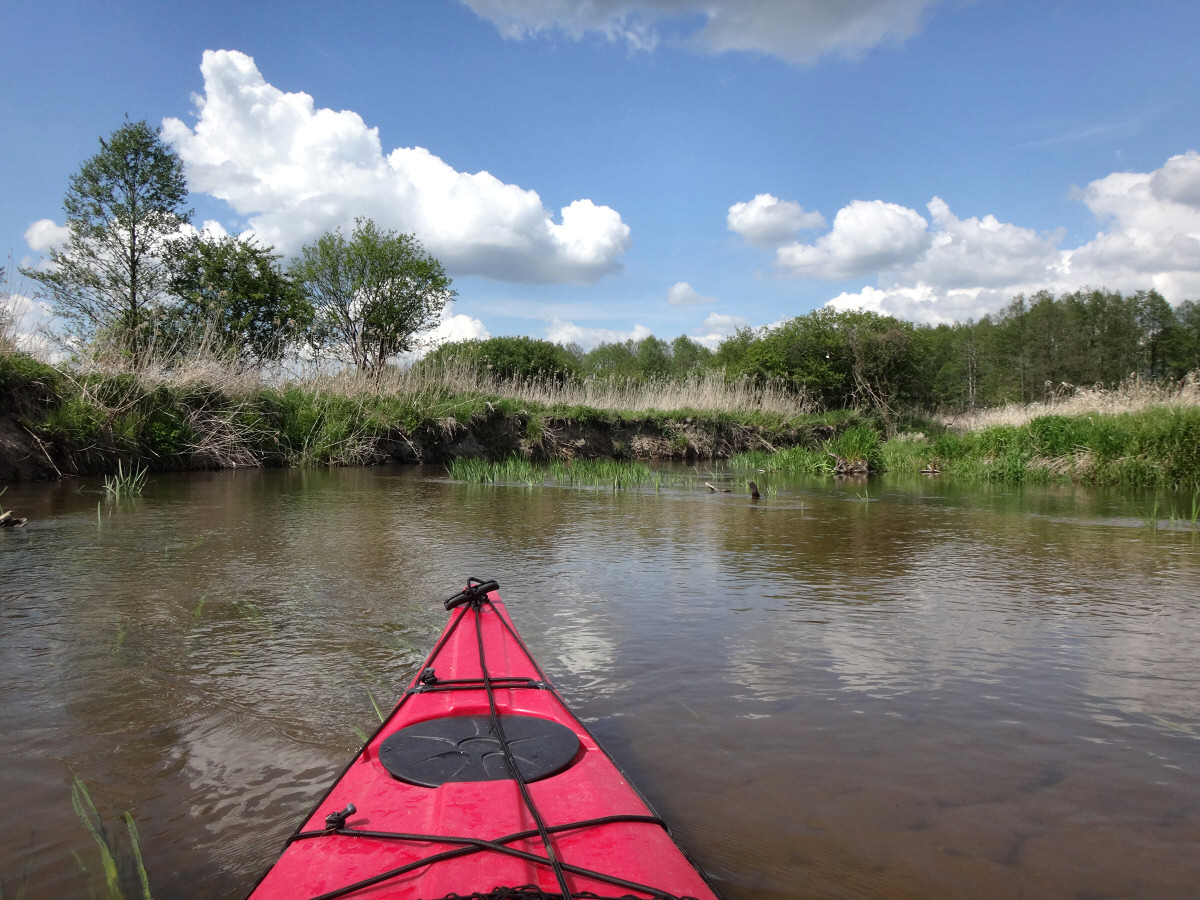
(1155, 447)
(182, 421)
(123, 877)
(125, 483)
(617, 474)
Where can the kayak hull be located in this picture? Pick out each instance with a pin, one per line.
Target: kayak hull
(581, 823)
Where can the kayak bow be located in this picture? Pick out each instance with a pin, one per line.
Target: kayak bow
(482, 784)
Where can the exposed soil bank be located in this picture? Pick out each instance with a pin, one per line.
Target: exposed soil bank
(490, 434)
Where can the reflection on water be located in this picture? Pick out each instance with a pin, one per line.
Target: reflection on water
(920, 691)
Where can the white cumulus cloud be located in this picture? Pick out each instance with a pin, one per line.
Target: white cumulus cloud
(45, 235)
(767, 221)
(981, 253)
(797, 31)
(296, 171)
(561, 332)
(453, 327)
(683, 294)
(867, 236)
(949, 268)
(717, 327)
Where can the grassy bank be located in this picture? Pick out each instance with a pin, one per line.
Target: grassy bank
(204, 414)
(1152, 447)
(207, 415)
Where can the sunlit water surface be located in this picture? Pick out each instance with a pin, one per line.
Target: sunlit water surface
(901, 690)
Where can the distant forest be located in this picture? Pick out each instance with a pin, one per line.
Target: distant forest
(1035, 348)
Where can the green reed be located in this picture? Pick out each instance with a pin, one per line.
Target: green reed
(114, 881)
(126, 483)
(617, 474)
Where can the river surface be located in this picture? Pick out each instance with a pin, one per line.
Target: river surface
(904, 689)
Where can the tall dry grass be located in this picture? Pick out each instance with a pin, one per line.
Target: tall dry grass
(706, 392)
(1132, 395)
(17, 329)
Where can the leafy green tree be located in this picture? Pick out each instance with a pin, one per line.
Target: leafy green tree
(1159, 333)
(808, 352)
(109, 280)
(1052, 345)
(234, 298)
(1186, 349)
(653, 358)
(617, 359)
(510, 357)
(372, 294)
(689, 356)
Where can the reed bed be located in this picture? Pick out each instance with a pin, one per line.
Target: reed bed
(856, 444)
(125, 483)
(611, 473)
(703, 392)
(1131, 396)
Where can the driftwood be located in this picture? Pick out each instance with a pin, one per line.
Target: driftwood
(716, 490)
(849, 467)
(8, 520)
(931, 469)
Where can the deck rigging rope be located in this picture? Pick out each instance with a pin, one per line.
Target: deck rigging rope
(498, 729)
(473, 598)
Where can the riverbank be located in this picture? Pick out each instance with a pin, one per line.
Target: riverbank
(55, 422)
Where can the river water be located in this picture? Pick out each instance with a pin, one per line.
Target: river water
(905, 689)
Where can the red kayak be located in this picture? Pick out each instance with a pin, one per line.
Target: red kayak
(482, 784)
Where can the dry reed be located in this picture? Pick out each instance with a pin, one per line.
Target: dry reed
(1132, 395)
(705, 392)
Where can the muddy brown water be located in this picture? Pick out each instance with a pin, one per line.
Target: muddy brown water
(899, 690)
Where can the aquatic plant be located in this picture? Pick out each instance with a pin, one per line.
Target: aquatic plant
(118, 871)
(126, 483)
(617, 474)
(375, 705)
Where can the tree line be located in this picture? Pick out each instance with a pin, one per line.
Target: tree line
(1035, 347)
(135, 279)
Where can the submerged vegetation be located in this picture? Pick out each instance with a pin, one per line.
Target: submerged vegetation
(122, 871)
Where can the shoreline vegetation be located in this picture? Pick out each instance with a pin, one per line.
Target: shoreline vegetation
(58, 421)
(178, 342)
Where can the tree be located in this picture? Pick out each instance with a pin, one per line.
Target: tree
(234, 297)
(617, 359)
(109, 280)
(1159, 333)
(371, 294)
(1187, 345)
(688, 356)
(517, 357)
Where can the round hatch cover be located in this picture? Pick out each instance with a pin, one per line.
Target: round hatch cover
(465, 748)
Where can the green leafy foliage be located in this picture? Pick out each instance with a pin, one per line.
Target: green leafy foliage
(233, 299)
(508, 358)
(371, 294)
(108, 282)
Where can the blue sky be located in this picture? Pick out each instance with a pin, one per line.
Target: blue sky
(603, 170)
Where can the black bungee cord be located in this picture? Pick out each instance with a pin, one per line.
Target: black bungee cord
(475, 596)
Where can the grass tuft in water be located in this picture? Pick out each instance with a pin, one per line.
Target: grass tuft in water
(617, 474)
(375, 705)
(126, 483)
(114, 883)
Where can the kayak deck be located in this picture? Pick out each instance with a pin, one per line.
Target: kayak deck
(482, 783)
